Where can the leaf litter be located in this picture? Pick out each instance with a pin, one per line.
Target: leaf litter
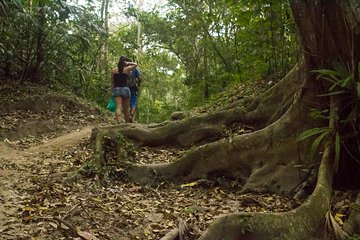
(125, 210)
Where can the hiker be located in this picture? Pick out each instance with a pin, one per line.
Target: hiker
(120, 91)
(134, 84)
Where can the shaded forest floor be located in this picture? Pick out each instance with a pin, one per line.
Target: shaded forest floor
(45, 136)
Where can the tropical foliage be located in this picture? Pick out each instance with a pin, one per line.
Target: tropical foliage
(343, 86)
(187, 50)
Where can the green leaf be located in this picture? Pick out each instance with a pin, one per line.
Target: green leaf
(358, 89)
(333, 86)
(328, 72)
(82, 77)
(316, 143)
(319, 114)
(85, 42)
(332, 93)
(334, 81)
(345, 82)
(18, 4)
(311, 132)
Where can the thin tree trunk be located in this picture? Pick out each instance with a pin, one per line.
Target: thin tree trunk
(138, 38)
(206, 70)
(104, 11)
(40, 50)
(148, 109)
(106, 43)
(273, 43)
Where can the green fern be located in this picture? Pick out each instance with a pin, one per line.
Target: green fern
(320, 133)
(345, 87)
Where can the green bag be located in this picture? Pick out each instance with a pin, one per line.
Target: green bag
(111, 105)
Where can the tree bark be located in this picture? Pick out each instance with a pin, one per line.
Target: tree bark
(329, 31)
(35, 73)
(103, 64)
(206, 68)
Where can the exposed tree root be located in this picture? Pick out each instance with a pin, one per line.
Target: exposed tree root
(103, 139)
(182, 232)
(305, 222)
(264, 158)
(201, 128)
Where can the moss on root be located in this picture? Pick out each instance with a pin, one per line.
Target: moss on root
(113, 155)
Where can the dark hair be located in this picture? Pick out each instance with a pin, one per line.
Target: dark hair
(121, 64)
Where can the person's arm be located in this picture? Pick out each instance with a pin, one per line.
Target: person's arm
(129, 66)
(130, 63)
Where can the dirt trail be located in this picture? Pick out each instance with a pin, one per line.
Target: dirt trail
(33, 193)
(19, 167)
(61, 142)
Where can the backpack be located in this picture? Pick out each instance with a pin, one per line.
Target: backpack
(132, 80)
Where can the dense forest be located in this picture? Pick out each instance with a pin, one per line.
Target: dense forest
(187, 51)
(244, 106)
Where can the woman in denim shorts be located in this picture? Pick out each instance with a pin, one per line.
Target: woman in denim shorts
(120, 91)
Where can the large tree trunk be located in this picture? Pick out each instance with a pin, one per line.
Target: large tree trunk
(329, 32)
(265, 158)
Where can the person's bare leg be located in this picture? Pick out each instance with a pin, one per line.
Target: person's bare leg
(126, 107)
(132, 114)
(119, 102)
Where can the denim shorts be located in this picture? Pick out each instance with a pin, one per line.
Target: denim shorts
(123, 92)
